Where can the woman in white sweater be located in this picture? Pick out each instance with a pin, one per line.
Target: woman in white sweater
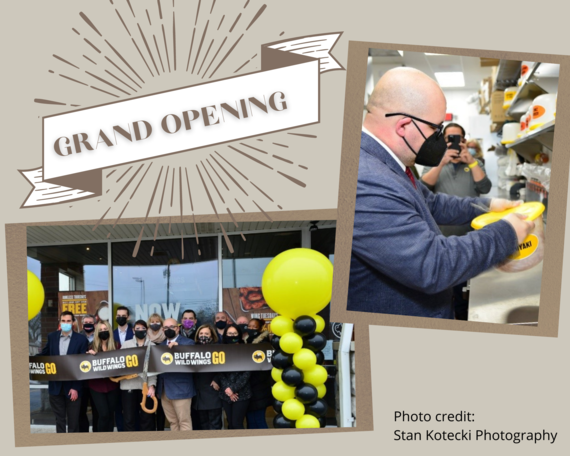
(131, 390)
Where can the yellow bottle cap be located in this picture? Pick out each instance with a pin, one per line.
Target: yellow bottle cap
(532, 210)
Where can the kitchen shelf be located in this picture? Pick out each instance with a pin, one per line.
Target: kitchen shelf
(531, 144)
(542, 78)
(507, 74)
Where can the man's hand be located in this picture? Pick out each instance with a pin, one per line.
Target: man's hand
(215, 385)
(73, 395)
(522, 227)
(172, 344)
(151, 391)
(465, 156)
(450, 154)
(500, 204)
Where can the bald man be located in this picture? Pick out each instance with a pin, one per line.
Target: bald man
(176, 389)
(401, 263)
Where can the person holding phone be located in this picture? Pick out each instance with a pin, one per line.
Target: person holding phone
(459, 173)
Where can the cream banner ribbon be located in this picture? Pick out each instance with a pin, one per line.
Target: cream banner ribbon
(78, 145)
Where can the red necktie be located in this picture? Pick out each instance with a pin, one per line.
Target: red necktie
(411, 176)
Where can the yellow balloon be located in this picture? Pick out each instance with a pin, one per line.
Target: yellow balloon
(298, 282)
(321, 390)
(291, 342)
(36, 295)
(283, 392)
(276, 374)
(281, 325)
(293, 409)
(320, 321)
(307, 422)
(316, 375)
(304, 359)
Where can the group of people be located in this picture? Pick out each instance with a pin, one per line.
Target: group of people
(188, 400)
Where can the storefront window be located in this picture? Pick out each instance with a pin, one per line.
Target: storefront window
(165, 283)
(243, 271)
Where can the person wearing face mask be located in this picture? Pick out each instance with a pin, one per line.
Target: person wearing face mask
(459, 173)
(242, 322)
(104, 392)
(124, 331)
(176, 389)
(188, 324)
(65, 397)
(207, 403)
(235, 390)
(88, 323)
(401, 263)
(259, 381)
(131, 389)
(221, 320)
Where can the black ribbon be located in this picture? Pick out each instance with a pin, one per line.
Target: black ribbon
(180, 358)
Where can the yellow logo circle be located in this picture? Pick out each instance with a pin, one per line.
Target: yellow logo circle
(526, 249)
(166, 358)
(85, 366)
(258, 356)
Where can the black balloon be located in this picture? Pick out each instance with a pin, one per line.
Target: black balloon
(322, 421)
(320, 357)
(280, 422)
(292, 376)
(306, 393)
(277, 406)
(305, 326)
(281, 360)
(316, 342)
(275, 342)
(317, 408)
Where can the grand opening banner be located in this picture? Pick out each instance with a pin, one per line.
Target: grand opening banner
(283, 95)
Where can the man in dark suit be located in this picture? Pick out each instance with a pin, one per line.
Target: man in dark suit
(88, 331)
(65, 396)
(401, 263)
(176, 389)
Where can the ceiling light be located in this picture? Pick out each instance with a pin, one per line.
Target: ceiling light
(450, 79)
(431, 53)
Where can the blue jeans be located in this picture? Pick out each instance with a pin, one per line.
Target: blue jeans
(256, 419)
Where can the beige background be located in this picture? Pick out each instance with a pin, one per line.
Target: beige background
(511, 383)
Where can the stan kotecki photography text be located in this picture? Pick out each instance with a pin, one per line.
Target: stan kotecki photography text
(515, 437)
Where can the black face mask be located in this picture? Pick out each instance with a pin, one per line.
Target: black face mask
(231, 339)
(243, 327)
(220, 324)
(252, 332)
(140, 334)
(88, 327)
(433, 149)
(204, 340)
(121, 321)
(170, 333)
(155, 326)
(104, 335)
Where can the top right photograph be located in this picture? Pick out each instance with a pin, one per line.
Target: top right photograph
(451, 208)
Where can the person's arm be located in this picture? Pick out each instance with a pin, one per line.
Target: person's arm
(392, 237)
(482, 183)
(431, 175)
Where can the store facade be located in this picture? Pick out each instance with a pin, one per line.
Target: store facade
(168, 275)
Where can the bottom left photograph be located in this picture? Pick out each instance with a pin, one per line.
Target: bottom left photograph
(193, 327)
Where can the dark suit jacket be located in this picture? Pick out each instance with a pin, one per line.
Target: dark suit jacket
(77, 345)
(178, 385)
(401, 263)
(130, 335)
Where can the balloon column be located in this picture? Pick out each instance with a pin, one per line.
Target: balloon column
(36, 295)
(297, 284)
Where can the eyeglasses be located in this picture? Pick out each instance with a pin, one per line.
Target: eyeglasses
(438, 128)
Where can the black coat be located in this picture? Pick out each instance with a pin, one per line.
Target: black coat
(260, 382)
(207, 398)
(238, 382)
